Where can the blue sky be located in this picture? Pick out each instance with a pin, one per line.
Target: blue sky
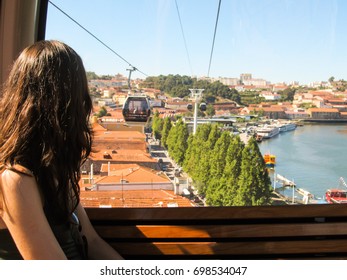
(277, 40)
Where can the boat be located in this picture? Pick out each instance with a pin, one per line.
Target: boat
(268, 131)
(270, 160)
(337, 195)
(258, 138)
(287, 126)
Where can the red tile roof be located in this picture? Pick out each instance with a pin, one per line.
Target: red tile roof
(132, 173)
(129, 135)
(325, 110)
(122, 155)
(133, 198)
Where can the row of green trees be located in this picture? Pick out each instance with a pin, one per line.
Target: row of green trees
(340, 85)
(94, 76)
(226, 171)
(102, 112)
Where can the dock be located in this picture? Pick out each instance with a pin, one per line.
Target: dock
(289, 193)
(285, 182)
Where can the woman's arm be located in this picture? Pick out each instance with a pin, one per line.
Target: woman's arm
(25, 219)
(98, 249)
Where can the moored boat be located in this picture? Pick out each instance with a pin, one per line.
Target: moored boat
(287, 126)
(258, 138)
(336, 196)
(268, 131)
(270, 160)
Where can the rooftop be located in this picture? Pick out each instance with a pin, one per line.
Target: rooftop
(133, 198)
(133, 173)
(325, 110)
(122, 155)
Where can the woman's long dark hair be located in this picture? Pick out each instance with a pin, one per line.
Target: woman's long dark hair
(44, 119)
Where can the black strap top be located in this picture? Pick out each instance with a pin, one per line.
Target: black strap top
(68, 235)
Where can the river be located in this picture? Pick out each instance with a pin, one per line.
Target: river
(314, 156)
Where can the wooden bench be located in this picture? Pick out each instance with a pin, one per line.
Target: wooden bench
(274, 232)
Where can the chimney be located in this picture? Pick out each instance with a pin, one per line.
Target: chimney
(91, 175)
(108, 168)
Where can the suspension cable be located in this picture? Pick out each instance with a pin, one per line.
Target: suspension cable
(95, 37)
(214, 37)
(184, 38)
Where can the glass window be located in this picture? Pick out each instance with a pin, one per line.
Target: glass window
(280, 62)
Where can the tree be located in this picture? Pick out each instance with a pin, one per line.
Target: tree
(181, 143)
(235, 96)
(165, 131)
(195, 149)
(215, 192)
(287, 94)
(91, 76)
(232, 170)
(202, 174)
(254, 184)
(222, 190)
(218, 158)
(157, 125)
(210, 111)
(307, 105)
(213, 136)
(177, 141)
(209, 98)
(106, 77)
(102, 112)
(171, 140)
(217, 164)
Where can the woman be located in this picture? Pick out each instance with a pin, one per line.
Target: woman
(44, 138)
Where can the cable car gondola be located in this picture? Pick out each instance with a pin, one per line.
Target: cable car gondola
(203, 107)
(136, 109)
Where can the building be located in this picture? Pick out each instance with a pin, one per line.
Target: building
(297, 115)
(245, 77)
(324, 113)
(134, 198)
(174, 105)
(229, 81)
(121, 172)
(120, 97)
(128, 146)
(131, 177)
(270, 96)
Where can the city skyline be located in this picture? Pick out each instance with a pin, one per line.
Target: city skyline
(279, 41)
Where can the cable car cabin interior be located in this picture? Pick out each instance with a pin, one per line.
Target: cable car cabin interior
(136, 108)
(264, 232)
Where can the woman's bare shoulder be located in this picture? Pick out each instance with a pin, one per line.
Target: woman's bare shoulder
(18, 168)
(17, 187)
(15, 181)
(15, 176)
(24, 217)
